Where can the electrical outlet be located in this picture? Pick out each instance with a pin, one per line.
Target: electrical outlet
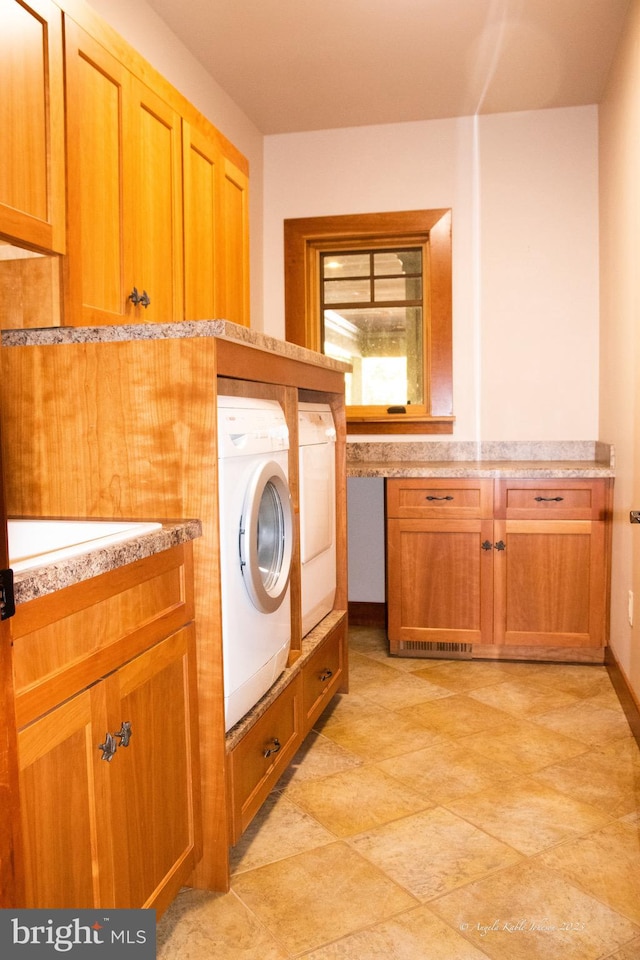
(630, 608)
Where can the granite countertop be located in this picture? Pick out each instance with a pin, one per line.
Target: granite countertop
(40, 581)
(222, 329)
(520, 459)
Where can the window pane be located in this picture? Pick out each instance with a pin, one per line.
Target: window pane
(386, 350)
(338, 265)
(392, 262)
(398, 288)
(347, 291)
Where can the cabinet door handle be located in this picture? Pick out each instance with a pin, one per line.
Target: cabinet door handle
(139, 298)
(500, 545)
(326, 675)
(448, 497)
(274, 749)
(486, 545)
(548, 499)
(108, 748)
(124, 733)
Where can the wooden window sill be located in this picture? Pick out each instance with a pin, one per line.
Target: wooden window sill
(399, 424)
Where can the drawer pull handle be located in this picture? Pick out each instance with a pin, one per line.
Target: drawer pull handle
(448, 497)
(548, 499)
(326, 675)
(274, 749)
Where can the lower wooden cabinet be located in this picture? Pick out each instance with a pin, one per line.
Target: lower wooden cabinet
(262, 756)
(259, 758)
(322, 675)
(512, 568)
(109, 778)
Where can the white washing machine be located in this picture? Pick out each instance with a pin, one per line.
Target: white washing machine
(317, 457)
(256, 544)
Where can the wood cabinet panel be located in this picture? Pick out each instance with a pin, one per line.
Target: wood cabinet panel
(32, 198)
(439, 581)
(322, 676)
(66, 860)
(262, 755)
(420, 498)
(550, 583)
(153, 193)
(235, 254)
(158, 773)
(99, 131)
(546, 499)
(201, 174)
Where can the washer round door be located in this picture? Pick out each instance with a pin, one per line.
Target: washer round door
(266, 537)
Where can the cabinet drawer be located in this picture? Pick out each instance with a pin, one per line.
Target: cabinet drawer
(321, 676)
(551, 499)
(419, 498)
(262, 755)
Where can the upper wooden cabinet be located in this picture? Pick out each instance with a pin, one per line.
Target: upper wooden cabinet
(125, 192)
(157, 210)
(32, 200)
(216, 228)
(235, 255)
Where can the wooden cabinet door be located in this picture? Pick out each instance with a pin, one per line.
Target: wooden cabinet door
(550, 583)
(234, 254)
(121, 832)
(65, 801)
(155, 819)
(439, 583)
(153, 200)
(32, 199)
(99, 135)
(201, 164)
(125, 192)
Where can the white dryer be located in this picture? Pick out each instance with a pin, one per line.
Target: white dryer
(256, 544)
(317, 465)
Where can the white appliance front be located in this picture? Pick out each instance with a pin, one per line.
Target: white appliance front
(256, 544)
(317, 458)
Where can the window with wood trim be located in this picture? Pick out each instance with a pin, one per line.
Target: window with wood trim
(375, 290)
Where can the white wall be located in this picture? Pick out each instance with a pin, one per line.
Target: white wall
(149, 35)
(524, 193)
(620, 337)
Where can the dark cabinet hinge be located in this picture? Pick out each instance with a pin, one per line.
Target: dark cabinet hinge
(7, 602)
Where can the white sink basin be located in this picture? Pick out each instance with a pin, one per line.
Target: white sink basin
(34, 543)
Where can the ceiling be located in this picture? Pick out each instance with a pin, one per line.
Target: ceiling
(298, 65)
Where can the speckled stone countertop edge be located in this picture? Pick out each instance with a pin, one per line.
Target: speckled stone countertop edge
(517, 469)
(222, 329)
(310, 643)
(41, 581)
(544, 459)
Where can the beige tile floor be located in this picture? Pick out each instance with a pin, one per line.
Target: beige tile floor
(443, 810)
